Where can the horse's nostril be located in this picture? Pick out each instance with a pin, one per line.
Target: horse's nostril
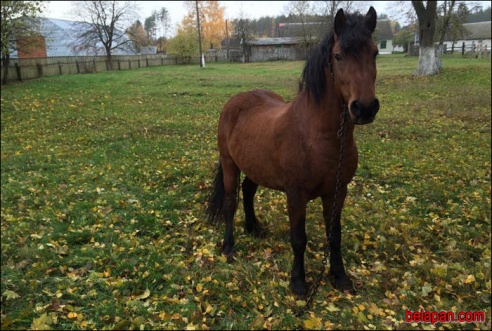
(356, 108)
(375, 106)
(366, 110)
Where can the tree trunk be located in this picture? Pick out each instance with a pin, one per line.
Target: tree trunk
(110, 60)
(429, 63)
(5, 62)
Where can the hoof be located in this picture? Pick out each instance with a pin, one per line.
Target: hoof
(255, 229)
(344, 284)
(299, 288)
(229, 253)
(230, 257)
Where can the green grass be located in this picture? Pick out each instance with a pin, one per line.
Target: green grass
(104, 176)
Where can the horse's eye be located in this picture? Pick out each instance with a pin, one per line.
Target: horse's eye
(338, 57)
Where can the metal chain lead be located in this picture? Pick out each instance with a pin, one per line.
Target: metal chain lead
(341, 135)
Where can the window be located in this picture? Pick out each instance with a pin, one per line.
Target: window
(382, 45)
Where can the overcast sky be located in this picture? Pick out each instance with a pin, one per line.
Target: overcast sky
(177, 10)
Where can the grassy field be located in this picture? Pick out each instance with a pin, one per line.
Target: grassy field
(103, 179)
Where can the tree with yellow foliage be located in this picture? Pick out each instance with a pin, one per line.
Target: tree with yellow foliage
(212, 22)
(138, 36)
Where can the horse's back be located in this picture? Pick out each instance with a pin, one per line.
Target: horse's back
(260, 99)
(251, 128)
(251, 111)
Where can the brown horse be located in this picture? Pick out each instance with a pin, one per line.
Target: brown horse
(294, 147)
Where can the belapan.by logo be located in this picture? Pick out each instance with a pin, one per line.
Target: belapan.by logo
(433, 317)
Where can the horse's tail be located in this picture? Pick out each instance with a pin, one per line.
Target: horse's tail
(217, 196)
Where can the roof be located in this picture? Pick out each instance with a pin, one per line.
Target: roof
(383, 30)
(148, 50)
(230, 42)
(275, 41)
(297, 29)
(478, 30)
(60, 37)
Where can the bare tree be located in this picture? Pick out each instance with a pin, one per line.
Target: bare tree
(104, 22)
(457, 30)
(243, 31)
(451, 16)
(329, 7)
(301, 10)
(429, 63)
(401, 10)
(444, 19)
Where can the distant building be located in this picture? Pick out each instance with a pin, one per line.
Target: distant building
(296, 40)
(269, 49)
(231, 48)
(57, 37)
(310, 29)
(148, 50)
(383, 36)
(478, 34)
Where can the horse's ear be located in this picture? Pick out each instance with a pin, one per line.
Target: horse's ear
(340, 21)
(371, 19)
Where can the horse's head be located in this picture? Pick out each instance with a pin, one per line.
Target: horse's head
(352, 64)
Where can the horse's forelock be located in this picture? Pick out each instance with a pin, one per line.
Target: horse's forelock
(355, 35)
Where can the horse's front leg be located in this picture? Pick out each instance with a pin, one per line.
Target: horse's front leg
(334, 235)
(296, 205)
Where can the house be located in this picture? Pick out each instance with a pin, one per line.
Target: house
(478, 34)
(313, 29)
(57, 37)
(269, 49)
(231, 48)
(290, 45)
(383, 36)
(148, 50)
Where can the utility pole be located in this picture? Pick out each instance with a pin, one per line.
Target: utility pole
(199, 34)
(228, 40)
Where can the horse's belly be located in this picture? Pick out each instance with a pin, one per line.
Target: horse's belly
(260, 166)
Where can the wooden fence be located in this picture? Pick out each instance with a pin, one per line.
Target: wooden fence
(24, 69)
(465, 49)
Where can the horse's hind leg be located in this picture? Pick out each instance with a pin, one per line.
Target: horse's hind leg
(231, 186)
(250, 222)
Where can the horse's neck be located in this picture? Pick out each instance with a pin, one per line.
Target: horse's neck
(324, 117)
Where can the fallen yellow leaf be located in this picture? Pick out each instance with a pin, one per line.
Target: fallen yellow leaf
(469, 279)
(199, 287)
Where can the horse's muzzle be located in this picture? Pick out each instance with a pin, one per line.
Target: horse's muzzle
(364, 113)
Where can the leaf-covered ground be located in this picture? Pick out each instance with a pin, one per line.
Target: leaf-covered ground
(104, 177)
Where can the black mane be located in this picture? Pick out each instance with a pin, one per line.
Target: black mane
(354, 35)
